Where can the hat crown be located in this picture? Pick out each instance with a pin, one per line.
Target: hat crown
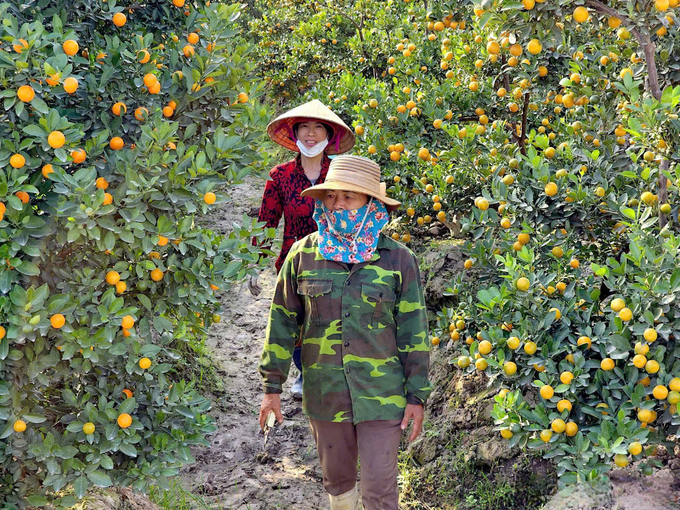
(353, 173)
(356, 170)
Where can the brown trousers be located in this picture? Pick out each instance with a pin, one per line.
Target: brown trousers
(376, 443)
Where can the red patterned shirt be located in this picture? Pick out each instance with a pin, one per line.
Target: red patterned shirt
(282, 197)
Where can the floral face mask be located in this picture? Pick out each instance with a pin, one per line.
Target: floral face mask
(350, 236)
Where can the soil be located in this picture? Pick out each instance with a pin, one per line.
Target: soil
(236, 472)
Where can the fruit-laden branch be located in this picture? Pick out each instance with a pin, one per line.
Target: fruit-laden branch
(648, 46)
(354, 22)
(652, 85)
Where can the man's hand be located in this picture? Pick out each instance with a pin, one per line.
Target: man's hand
(253, 285)
(416, 413)
(272, 402)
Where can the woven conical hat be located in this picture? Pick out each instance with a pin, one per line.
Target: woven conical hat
(281, 129)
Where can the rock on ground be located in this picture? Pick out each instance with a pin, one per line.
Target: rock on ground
(626, 490)
(117, 498)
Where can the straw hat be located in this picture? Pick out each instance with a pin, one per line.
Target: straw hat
(281, 129)
(353, 173)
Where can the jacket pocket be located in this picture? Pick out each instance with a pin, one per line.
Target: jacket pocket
(383, 297)
(317, 298)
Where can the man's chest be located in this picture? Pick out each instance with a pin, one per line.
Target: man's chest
(363, 298)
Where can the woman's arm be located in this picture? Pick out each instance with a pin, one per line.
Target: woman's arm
(271, 208)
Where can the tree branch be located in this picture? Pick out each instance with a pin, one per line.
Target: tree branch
(358, 27)
(643, 39)
(513, 131)
(506, 77)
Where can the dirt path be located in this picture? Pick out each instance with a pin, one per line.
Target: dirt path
(234, 473)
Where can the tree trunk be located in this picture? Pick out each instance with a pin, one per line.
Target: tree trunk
(651, 85)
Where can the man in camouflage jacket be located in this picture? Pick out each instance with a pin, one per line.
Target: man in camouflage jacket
(365, 347)
(365, 357)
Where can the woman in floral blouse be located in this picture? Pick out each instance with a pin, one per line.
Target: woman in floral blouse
(313, 131)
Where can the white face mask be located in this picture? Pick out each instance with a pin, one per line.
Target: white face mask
(314, 151)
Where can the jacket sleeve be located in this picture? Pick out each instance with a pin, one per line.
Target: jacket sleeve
(286, 316)
(271, 208)
(413, 342)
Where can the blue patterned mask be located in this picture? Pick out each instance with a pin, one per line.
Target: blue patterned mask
(350, 236)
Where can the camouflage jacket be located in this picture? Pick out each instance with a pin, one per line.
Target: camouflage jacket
(365, 344)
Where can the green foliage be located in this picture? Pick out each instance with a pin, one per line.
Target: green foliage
(563, 103)
(131, 211)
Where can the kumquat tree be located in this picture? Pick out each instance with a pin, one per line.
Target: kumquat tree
(539, 138)
(562, 119)
(120, 125)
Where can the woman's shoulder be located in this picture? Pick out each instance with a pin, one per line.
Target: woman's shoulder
(283, 169)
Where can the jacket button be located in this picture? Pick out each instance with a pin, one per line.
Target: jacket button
(346, 344)
(347, 370)
(347, 314)
(347, 282)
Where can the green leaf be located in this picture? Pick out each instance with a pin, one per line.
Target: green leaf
(34, 130)
(127, 406)
(149, 350)
(128, 449)
(75, 426)
(28, 268)
(73, 235)
(33, 418)
(185, 411)
(40, 106)
(109, 240)
(66, 501)
(80, 486)
(628, 213)
(675, 280)
(69, 397)
(99, 478)
(37, 500)
(106, 462)
(66, 452)
(145, 301)
(620, 343)
(232, 268)
(4, 348)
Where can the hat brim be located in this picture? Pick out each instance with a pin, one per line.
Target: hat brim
(280, 128)
(280, 134)
(319, 191)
